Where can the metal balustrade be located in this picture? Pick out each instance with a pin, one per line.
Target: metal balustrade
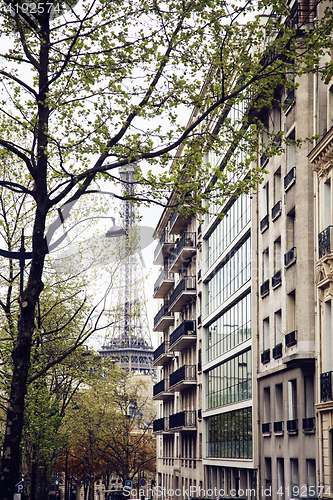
(291, 339)
(325, 242)
(326, 386)
(266, 428)
(290, 178)
(183, 374)
(276, 210)
(265, 357)
(290, 257)
(277, 351)
(187, 327)
(264, 289)
(162, 312)
(278, 427)
(187, 283)
(309, 424)
(162, 349)
(277, 279)
(264, 223)
(184, 418)
(292, 426)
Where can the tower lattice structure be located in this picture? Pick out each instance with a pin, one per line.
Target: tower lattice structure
(128, 340)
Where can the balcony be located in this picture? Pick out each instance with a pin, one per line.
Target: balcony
(278, 428)
(277, 351)
(290, 257)
(178, 223)
(163, 319)
(160, 390)
(163, 248)
(163, 284)
(292, 427)
(183, 378)
(309, 425)
(277, 279)
(183, 251)
(290, 179)
(184, 420)
(264, 289)
(162, 354)
(291, 339)
(158, 425)
(326, 386)
(265, 357)
(184, 292)
(266, 429)
(324, 242)
(276, 210)
(264, 223)
(301, 13)
(183, 335)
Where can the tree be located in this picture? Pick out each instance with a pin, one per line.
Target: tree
(101, 84)
(109, 429)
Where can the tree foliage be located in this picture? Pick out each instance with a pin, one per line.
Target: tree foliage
(109, 429)
(101, 84)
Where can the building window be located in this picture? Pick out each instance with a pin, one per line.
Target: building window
(277, 186)
(278, 403)
(327, 204)
(265, 265)
(292, 399)
(276, 119)
(267, 404)
(266, 333)
(311, 477)
(294, 481)
(230, 277)
(309, 396)
(291, 151)
(264, 200)
(230, 381)
(327, 345)
(278, 327)
(291, 312)
(280, 478)
(277, 255)
(291, 229)
(268, 478)
(230, 329)
(230, 434)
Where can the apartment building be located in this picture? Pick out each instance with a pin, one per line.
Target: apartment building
(179, 390)
(283, 221)
(321, 158)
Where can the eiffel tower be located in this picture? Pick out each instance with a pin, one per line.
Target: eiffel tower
(128, 340)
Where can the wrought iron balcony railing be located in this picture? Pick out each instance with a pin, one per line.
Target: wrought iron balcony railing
(182, 419)
(325, 242)
(290, 178)
(309, 424)
(159, 387)
(291, 338)
(162, 349)
(278, 427)
(290, 257)
(277, 351)
(326, 386)
(187, 283)
(265, 356)
(277, 279)
(276, 210)
(183, 374)
(264, 223)
(187, 327)
(266, 428)
(162, 312)
(158, 425)
(264, 289)
(292, 427)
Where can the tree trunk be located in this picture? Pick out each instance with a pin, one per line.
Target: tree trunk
(11, 457)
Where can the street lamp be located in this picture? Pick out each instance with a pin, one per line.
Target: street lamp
(63, 213)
